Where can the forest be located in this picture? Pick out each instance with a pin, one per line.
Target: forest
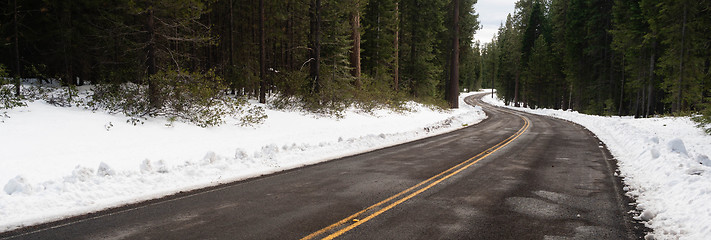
(313, 54)
(150, 57)
(621, 57)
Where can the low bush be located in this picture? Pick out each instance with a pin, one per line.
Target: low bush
(703, 120)
(197, 98)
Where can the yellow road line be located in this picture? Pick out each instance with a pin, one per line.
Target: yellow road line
(454, 170)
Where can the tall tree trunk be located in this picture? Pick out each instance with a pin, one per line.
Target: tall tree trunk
(413, 51)
(677, 105)
(315, 45)
(493, 72)
(355, 53)
(66, 41)
(231, 44)
(212, 32)
(254, 20)
(622, 87)
(636, 104)
(262, 56)
(516, 80)
(17, 52)
(151, 50)
(151, 44)
(454, 76)
(570, 97)
(650, 84)
(290, 35)
(396, 64)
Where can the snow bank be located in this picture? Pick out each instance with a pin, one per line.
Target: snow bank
(665, 165)
(58, 162)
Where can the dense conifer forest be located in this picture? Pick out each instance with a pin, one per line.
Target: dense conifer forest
(317, 52)
(621, 57)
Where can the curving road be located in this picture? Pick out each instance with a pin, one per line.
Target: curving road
(512, 176)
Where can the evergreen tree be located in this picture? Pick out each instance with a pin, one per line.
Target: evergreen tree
(315, 46)
(422, 22)
(683, 63)
(380, 27)
(336, 51)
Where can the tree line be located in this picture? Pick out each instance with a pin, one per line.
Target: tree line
(621, 57)
(320, 52)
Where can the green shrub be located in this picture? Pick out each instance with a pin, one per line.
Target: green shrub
(128, 98)
(337, 93)
(197, 98)
(252, 116)
(65, 96)
(8, 99)
(703, 120)
(3, 75)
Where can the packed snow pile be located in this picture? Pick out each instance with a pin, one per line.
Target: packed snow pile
(665, 164)
(63, 161)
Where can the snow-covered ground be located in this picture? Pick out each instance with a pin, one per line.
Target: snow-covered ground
(665, 165)
(58, 162)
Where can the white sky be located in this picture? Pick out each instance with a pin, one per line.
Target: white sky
(491, 14)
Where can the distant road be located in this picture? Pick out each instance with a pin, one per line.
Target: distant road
(512, 176)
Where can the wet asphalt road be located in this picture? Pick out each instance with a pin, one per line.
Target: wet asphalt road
(512, 176)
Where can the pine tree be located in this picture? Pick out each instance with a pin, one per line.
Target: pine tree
(379, 26)
(315, 45)
(470, 51)
(683, 62)
(422, 22)
(336, 51)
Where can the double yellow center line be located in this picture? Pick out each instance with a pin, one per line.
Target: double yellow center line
(352, 221)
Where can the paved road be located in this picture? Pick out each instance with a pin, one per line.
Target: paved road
(512, 176)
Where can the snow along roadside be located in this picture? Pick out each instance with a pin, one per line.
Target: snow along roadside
(664, 163)
(37, 189)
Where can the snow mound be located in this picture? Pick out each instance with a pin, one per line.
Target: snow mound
(677, 146)
(703, 160)
(105, 170)
(17, 185)
(80, 174)
(146, 166)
